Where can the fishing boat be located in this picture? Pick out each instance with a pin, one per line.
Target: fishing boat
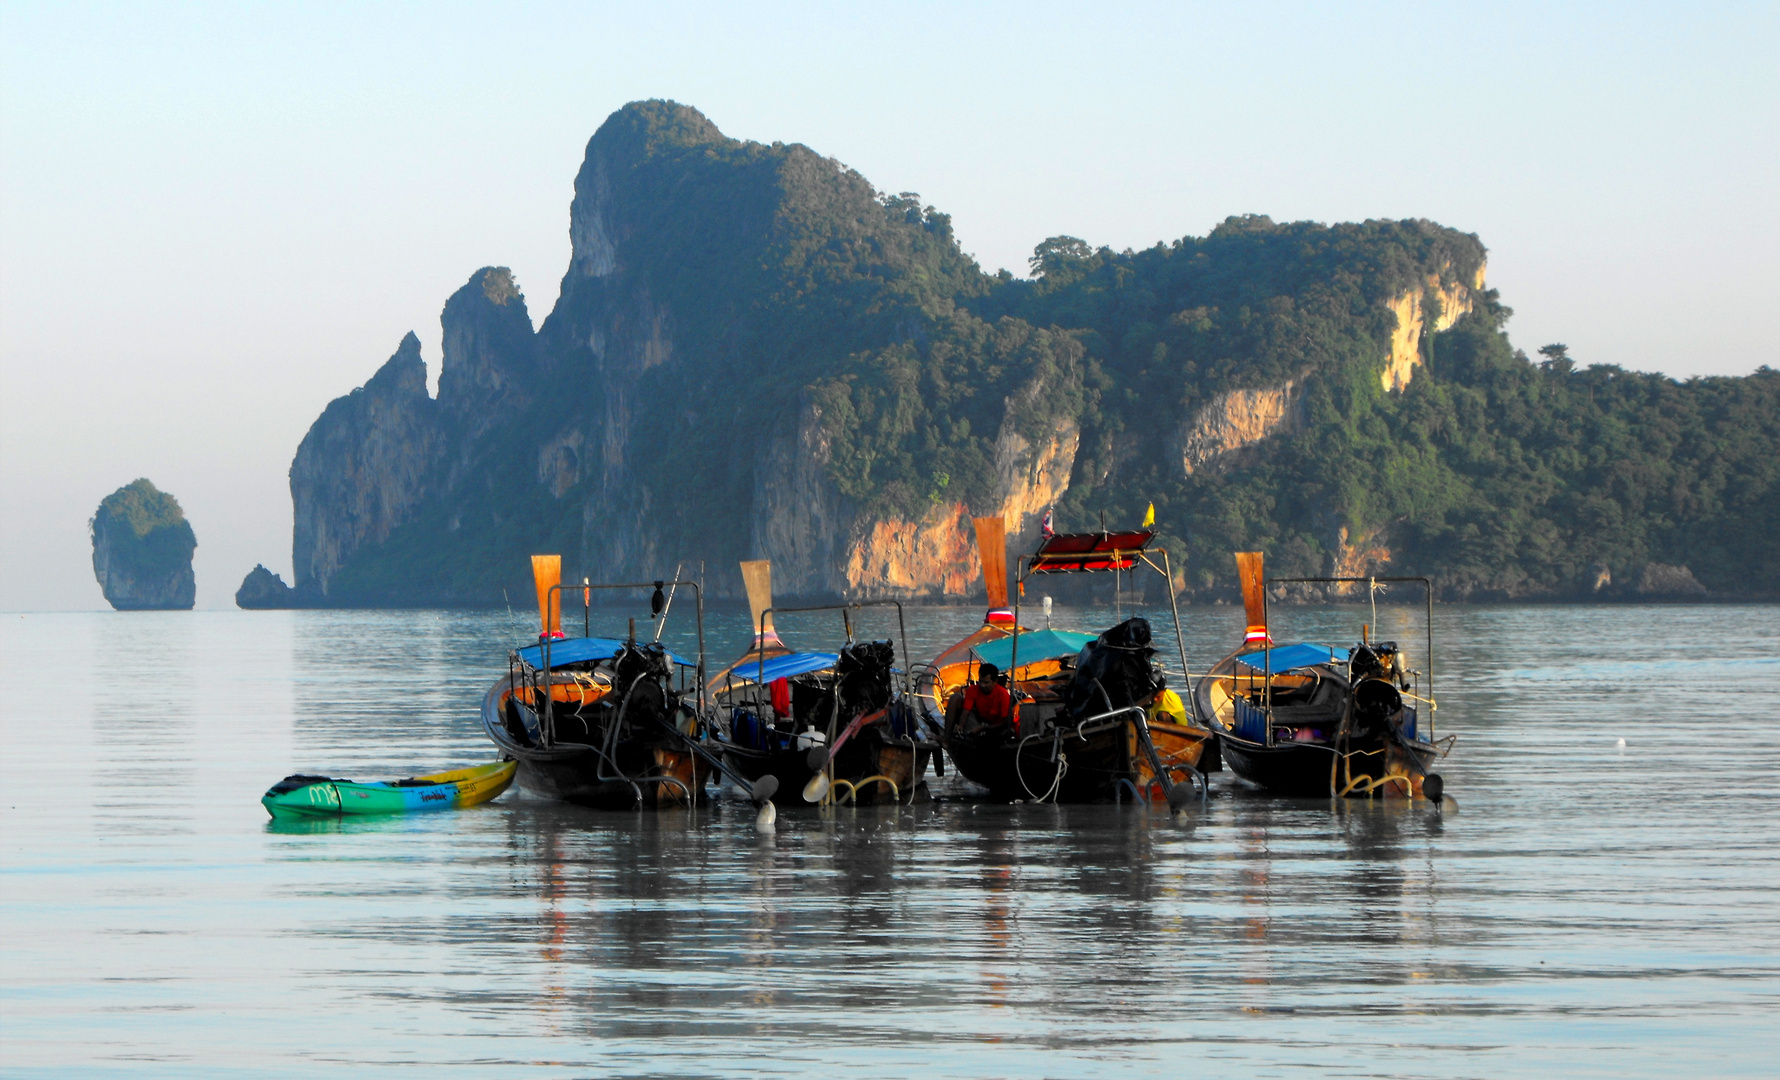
(1093, 717)
(613, 723)
(1311, 719)
(326, 797)
(837, 726)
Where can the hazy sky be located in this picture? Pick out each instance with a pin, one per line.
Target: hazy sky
(215, 219)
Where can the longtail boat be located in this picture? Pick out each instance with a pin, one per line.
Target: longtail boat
(614, 723)
(833, 726)
(1311, 719)
(1093, 717)
(325, 796)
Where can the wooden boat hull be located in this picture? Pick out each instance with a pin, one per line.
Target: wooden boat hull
(1305, 769)
(654, 775)
(862, 759)
(1075, 769)
(1381, 765)
(453, 790)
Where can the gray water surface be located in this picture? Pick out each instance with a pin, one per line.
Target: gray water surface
(1582, 908)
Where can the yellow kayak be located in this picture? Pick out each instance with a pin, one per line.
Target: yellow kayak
(323, 796)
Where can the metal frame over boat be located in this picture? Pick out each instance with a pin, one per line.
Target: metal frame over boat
(859, 738)
(1059, 753)
(600, 721)
(1304, 719)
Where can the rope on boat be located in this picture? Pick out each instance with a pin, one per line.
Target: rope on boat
(1366, 785)
(1056, 781)
(854, 786)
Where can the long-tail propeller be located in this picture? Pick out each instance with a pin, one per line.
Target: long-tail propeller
(1252, 574)
(992, 551)
(546, 575)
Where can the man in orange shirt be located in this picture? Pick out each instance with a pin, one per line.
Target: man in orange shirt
(988, 701)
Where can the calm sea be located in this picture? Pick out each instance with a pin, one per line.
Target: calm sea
(1602, 897)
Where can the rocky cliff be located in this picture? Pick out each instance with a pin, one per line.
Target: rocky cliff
(755, 354)
(263, 590)
(142, 550)
(363, 467)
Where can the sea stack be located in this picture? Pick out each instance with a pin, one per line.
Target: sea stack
(262, 590)
(142, 550)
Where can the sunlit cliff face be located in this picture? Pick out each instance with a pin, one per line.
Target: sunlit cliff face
(1407, 340)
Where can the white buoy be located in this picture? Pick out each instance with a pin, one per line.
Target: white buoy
(1622, 744)
(769, 813)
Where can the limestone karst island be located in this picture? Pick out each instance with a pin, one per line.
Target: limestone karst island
(142, 550)
(755, 354)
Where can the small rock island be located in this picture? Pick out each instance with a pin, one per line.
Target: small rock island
(262, 590)
(142, 550)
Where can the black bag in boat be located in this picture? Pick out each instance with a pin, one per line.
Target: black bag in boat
(1113, 671)
(863, 676)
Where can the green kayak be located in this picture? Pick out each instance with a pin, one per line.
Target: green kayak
(323, 796)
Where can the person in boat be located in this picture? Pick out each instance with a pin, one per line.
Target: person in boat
(984, 704)
(1167, 707)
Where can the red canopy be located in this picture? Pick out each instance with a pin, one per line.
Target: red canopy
(1069, 552)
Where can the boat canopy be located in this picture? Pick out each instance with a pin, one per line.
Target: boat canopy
(1071, 552)
(1035, 645)
(1287, 657)
(747, 669)
(579, 651)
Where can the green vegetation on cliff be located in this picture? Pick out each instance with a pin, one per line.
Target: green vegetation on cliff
(142, 549)
(1501, 477)
(736, 311)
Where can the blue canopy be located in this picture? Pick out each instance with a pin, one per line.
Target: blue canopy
(1035, 646)
(782, 667)
(1287, 657)
(578, 651)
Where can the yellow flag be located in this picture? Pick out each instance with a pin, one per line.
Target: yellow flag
(1149, 516)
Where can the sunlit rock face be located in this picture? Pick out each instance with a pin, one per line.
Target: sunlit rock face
(1232, 422)
(1411, 308)
(142, 550)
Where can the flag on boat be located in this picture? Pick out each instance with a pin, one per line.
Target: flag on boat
(1149, 516)
(1044, 527)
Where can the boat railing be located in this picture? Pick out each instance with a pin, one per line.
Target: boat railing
(658, 605)
(1372, 584)
(1119, 561)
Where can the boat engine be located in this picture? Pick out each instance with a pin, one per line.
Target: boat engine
(1375, 702)
(641, 673)
(1113, 671)
(863, 676)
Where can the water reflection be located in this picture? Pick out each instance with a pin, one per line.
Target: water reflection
(1563, 918)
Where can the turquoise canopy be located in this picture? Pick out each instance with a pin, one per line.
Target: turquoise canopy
(1287, 657)
(579, 650)
(1034, 646)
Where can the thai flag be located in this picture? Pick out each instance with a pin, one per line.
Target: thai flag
(1044, 527)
